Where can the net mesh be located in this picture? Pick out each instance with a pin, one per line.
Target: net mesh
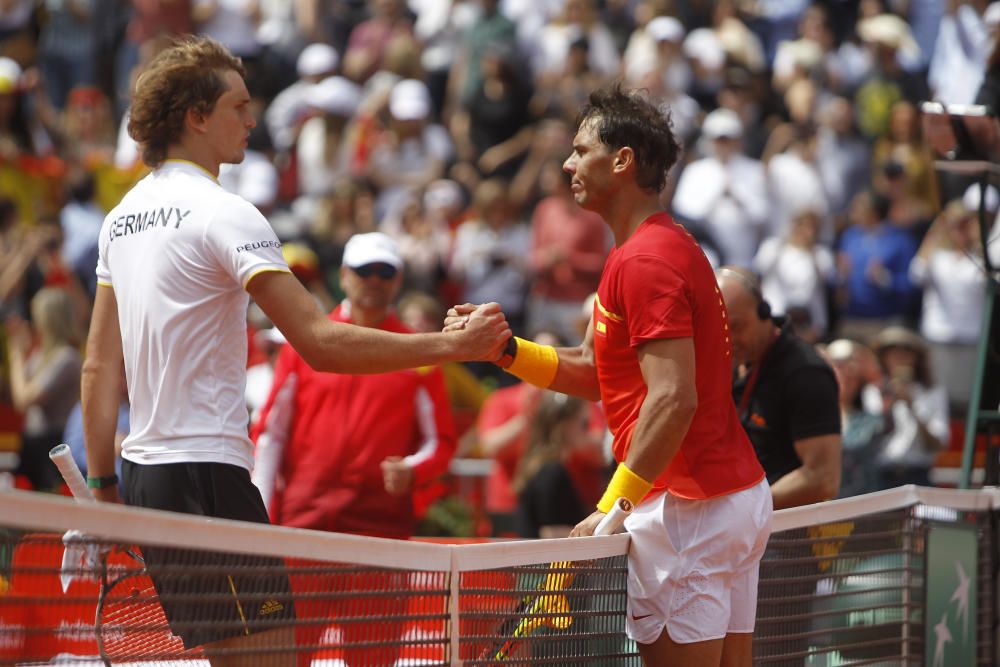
(843, 584)
(554, 613)
(117, 607)
(853, 592)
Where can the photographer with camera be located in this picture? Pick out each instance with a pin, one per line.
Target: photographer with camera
(915, 409)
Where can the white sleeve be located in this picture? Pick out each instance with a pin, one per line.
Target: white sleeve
(103, 240)
(243, 241)
(826, 265)
(429, 436)
(698, 190)
(749, 186)
(934, 412)
(281, 115)
(919, 272)
(767, 255)
(271, 441)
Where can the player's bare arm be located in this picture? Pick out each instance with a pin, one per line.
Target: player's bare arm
(343, 348)
(818, 478)
(100, 389)
(668, 369)
(576, 371)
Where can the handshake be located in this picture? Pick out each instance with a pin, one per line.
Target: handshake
(483, 331)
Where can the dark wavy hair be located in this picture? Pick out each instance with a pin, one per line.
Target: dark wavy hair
(189, 75)
(628, 118)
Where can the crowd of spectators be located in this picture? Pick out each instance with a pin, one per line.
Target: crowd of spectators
(444, 123)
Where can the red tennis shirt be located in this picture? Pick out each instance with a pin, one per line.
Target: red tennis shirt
(659, 285)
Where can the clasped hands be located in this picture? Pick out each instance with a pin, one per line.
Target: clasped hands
(486, 326)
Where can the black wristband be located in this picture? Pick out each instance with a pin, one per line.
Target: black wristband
(101, 482)
(509, 352)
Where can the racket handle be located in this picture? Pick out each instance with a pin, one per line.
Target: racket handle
(63, 458)
(615, 519)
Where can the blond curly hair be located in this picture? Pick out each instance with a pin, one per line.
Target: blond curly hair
(189, 75)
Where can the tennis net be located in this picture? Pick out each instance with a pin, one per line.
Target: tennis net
(850, 582)
(328, 599)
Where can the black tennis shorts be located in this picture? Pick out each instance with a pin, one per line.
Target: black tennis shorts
(210, 596)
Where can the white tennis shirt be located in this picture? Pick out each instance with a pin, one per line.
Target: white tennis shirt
(178, 252)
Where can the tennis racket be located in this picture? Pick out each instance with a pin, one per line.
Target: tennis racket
(129, 622)
(547, 606)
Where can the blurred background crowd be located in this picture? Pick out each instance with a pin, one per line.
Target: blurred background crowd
(444, 124)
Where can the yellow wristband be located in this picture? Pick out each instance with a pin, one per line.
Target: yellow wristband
(534, 363)
(624, 484)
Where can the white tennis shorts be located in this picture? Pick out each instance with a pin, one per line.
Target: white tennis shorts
(694, 565)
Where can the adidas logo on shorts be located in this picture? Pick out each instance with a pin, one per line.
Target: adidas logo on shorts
(270, 607)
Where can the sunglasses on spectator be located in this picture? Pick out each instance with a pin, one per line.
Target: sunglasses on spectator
(383, 271)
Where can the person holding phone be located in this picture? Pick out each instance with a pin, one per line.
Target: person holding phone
(915, 408)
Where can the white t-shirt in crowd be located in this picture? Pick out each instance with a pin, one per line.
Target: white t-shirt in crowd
(794, 277)
(179, 251)
(903, 445)
(232, 23)
(731, 200)
(953, 284)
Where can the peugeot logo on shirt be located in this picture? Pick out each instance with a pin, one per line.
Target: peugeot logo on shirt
(257, 245)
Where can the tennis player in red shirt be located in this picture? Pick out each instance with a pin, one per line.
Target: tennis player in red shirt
(658, 355)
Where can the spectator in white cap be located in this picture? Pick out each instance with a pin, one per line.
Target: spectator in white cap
(400, 61)
(414, 151)
(656, 50)
(349, 453)
(325, 145)
(287, 110)
(639, 54)
(725, 191)
(894, 52)
(654, 61)
(704, 51)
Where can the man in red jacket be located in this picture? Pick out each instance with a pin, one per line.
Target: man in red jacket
(345, 453)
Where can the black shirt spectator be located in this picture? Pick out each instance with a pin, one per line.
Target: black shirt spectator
(786, 397)
(549, 498)
(794, 398)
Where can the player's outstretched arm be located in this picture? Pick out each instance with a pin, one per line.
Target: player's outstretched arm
(568, 370)
(577, 372)
(344, 348)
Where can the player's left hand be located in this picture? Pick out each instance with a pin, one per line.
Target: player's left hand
(397, 475)
(587, 527)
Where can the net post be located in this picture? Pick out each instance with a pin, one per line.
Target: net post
(454, 627)
(906, 597)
